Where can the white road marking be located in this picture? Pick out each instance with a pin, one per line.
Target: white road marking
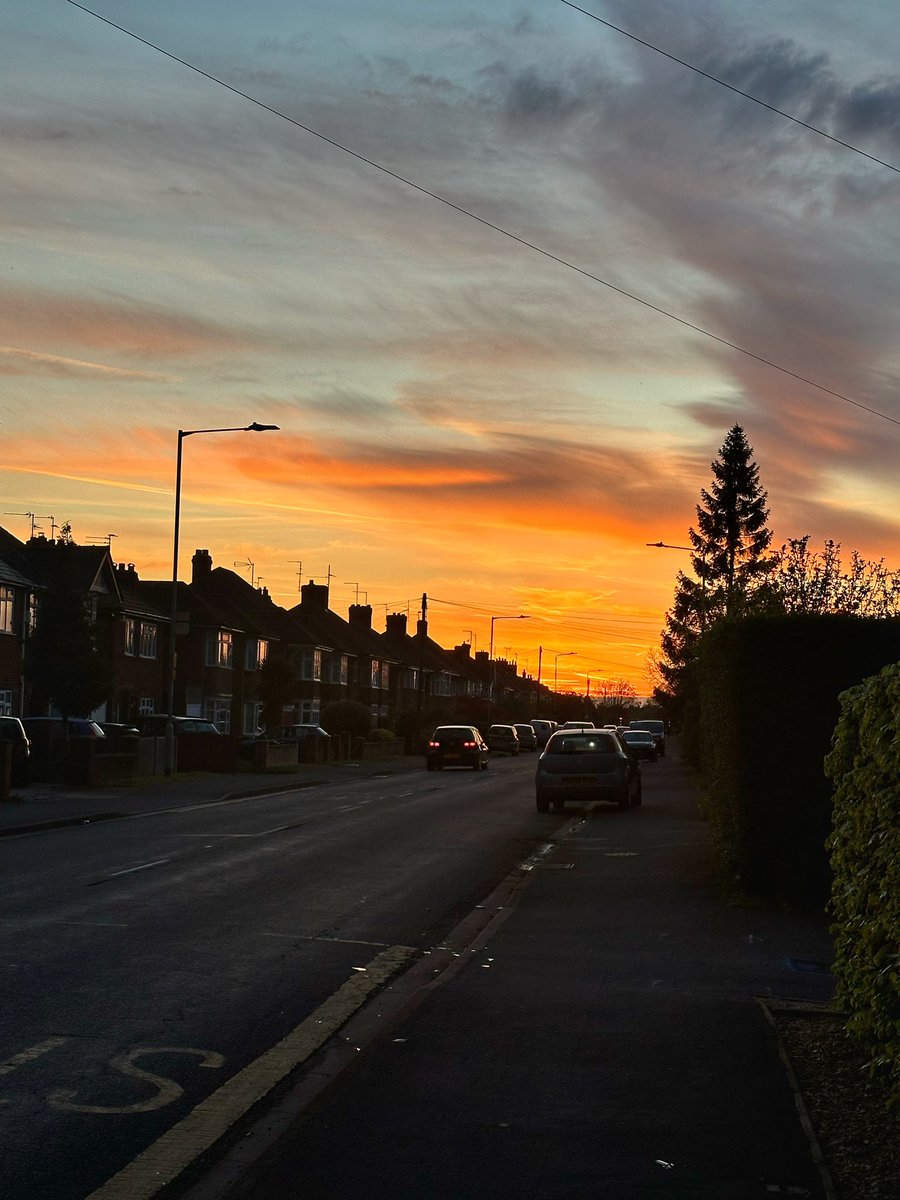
(143, 867)
(313, 937)
(167, 1157)
(27, 1056)
(167, 1090)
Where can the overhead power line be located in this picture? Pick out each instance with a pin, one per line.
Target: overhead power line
(731, 88)
(490, 224)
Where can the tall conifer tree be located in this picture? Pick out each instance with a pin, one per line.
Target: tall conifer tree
(729, 555)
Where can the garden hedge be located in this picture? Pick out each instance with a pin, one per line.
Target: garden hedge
(865, 858)
(766, 702)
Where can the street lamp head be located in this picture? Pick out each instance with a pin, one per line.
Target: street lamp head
(257, 428)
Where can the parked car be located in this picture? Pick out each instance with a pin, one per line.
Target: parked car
(155, 726)
(527, 737)
(578, 725)
(542, 730)
(47, 727)
(456, 746)
(503, 739)
(657, 728)
(12, 730)
(119, 729)
(294, 733)
(586, 764)
(641, 743)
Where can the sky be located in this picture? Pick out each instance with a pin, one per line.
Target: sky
(480, 264)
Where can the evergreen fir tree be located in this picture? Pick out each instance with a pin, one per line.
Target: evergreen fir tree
(729, 556)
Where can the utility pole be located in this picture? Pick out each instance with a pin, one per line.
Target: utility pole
(420, 690)
(537, 703)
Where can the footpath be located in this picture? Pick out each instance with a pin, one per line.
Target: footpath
(47, 805)
(606, 1037)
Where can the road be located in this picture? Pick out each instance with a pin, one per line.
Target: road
(148, 961)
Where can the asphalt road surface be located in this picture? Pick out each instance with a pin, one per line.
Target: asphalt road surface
(149, 960)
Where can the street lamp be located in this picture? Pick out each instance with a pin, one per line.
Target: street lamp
(517, 617)
(690, 550)
(556, 658)
(173, 608)
(520, 617)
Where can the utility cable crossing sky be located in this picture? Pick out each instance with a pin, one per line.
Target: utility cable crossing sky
(762, 359)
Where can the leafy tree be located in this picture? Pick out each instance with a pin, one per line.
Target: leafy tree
(277, 685)
(728, 558)
(347, 716)
(63, 665)
(816, 582)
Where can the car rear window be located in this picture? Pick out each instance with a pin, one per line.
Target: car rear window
(583, 743)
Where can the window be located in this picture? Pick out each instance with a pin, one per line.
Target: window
(337, 668)
(149, 640)
(376, 673)
(131, 636)
(32, 613)
(409, 679)
(6, 704)
(385, 676)
(220, 649)
(146, 706)
(219, 712)
(7, 597)
(253, 716)
(255, 654)
(311, 666)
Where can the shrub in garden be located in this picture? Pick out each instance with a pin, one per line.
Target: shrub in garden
(864, 764)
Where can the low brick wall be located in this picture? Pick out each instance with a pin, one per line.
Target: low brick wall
(380, 750)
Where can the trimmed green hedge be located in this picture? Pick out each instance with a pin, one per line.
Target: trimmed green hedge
(765, 700)
(865, 857)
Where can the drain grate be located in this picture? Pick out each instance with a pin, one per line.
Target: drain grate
(809, 966)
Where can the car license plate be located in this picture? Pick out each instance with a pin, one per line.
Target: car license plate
(449, 756)
(579, 779)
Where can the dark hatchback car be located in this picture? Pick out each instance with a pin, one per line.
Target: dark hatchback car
(12, 730)
(456, 746)
(641, 743)
(503, 739)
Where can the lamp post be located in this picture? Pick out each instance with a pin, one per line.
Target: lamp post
(690, 550)
(173, 606)
(556, 658)
(517, 617)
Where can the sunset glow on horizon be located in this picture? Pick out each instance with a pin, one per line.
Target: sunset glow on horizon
(459, 414)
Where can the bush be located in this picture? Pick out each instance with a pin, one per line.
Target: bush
(865, 858)
(381, 735)
(347, 716)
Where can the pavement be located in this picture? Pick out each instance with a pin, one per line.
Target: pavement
(607, 1033)
(46, 805)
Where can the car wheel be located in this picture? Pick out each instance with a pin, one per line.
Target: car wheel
(429, 766)
(623, 802)
(638, 796)
(476, 765)
(543, 805)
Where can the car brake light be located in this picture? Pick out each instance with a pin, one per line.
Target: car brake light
(468, 745)
(433, 745)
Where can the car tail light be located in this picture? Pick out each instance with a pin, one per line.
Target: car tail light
(434, 745)
(468, 745)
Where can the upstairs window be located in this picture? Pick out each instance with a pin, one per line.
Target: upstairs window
(149, 640)
(220, 649)
(131, 636)
(255, 654)
(7, 599)
(311, 666)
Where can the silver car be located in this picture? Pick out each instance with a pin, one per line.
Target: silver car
(585, 765)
